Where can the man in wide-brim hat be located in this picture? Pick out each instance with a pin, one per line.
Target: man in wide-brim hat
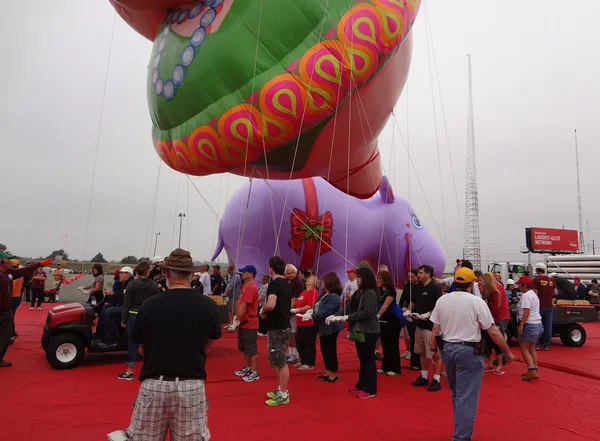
(173, 328)
(181, 261)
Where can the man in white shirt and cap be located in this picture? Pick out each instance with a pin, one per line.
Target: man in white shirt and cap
(459, 318)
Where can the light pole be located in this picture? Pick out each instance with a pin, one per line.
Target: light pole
(155, 242)
(181, 216)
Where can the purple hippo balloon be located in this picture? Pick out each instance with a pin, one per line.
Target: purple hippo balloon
(321, 228)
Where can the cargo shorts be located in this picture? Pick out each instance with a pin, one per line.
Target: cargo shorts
(277, 342)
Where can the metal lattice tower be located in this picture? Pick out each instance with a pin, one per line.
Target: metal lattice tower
(472, 246)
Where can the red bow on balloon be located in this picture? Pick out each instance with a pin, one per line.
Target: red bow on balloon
(311, 231)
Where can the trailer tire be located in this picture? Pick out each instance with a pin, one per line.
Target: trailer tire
(573, 335)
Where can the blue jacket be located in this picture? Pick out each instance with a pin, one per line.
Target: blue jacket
(325, 306)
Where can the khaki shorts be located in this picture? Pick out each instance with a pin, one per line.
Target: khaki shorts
(423, 342)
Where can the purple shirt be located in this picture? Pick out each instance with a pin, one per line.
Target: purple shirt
(6, 283)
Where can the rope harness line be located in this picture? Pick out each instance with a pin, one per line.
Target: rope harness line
(176, 206)
(308, 95)
(428, 27)
(152, 217)
(437, 138)
(240, 229)
(99, 134)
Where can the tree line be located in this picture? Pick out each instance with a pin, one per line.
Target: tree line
(98, 258)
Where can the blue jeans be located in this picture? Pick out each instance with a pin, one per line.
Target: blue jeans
(112, 319)
(465, 373)
(546, 336)
(132, 347)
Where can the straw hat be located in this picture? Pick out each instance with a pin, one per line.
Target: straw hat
(181, 260)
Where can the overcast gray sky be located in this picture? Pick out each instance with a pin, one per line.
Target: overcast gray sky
(535, 75)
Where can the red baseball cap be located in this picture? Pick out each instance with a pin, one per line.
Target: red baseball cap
(351, 271)
(577, 278)
(524, 280)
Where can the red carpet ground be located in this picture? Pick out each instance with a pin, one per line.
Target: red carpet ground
(41, 404)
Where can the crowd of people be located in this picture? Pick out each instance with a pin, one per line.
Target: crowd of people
(452, 326)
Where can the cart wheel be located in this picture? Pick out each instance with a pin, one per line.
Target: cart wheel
(573, 335)
(65, 351)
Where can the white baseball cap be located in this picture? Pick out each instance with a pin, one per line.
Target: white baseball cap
(540, 265)
(157, 259)
(510, 282)
(126, 269)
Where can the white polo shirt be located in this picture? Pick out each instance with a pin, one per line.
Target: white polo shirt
(461, 317)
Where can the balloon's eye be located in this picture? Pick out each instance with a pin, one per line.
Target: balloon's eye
(416, 222)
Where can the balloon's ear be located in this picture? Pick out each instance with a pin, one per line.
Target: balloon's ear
(386, 192)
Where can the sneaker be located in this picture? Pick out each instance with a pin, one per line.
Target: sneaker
(278, 400)
(331, 380)
(4, 363)
(380, 371)
(126, 376)
(537, 348)
(434, 386)
(39, 308)
(119, 435)
(243, 372)
(546, 348)
(305, 367)
(364, 396)
(499, 372)
(406, 355)
(354, 390)
(392, 374)
(489, 369)
(31, 309)
(252, 376)
(296, 365)
(421, 382)
(378, 356)
(273, 395)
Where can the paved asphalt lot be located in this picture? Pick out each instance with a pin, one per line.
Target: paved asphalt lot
(70, 293)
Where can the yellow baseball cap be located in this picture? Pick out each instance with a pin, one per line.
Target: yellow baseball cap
(15, 262)
(464, 275)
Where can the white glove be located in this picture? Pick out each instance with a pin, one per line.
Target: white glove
(294, 310)
(335, 318)
(307, 315)
(404, 309)
(425, 316)
(378, 315)
(406, 312)
(408, 319)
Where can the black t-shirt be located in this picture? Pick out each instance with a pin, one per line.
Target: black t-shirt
(279, 317)
(174, 328)
(408, 293)
(383, 293)
(216, 280)
(425, 299)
